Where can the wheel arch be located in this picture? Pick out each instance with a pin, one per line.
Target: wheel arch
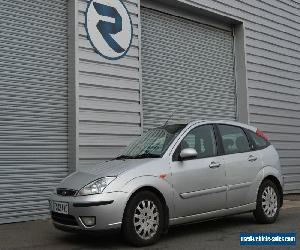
(161, 198)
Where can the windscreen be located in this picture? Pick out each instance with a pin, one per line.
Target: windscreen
(153, 143)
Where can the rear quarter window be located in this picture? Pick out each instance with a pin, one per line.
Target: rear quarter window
(258, 141)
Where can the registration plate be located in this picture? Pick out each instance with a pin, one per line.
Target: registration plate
(60, 207)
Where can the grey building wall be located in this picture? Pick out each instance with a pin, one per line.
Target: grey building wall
(109, 95)
(109, 92)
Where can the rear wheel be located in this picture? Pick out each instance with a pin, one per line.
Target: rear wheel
(143, 219)
(268, 203)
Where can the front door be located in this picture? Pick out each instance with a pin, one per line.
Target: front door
(199, 183)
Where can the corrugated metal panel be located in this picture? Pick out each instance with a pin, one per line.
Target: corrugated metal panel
(33, 106)
(109, 96)
(273, 68)
(187, 67)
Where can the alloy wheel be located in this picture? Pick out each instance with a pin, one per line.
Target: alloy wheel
(269, 201)
(146, 219)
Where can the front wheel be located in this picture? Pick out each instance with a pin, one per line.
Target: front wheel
(143, 219)
(268, 203)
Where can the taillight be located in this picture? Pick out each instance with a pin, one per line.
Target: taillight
(262, 134)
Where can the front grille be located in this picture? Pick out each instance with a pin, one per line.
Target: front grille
(66, 192)
(64, 219)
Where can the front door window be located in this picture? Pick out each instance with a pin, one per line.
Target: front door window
(202, 139)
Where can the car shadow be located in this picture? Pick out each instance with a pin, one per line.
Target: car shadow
(113, 239)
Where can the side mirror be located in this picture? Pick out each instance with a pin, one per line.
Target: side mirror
(188, 153)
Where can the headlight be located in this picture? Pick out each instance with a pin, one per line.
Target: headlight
(96, 187)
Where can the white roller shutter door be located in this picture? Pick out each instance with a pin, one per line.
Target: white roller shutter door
(187, 67)
(33, 106)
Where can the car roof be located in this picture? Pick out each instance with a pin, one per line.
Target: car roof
(228, 122)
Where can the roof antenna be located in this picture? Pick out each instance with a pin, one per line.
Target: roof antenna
(171, 116)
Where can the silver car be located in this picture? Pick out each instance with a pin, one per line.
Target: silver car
(172, 175)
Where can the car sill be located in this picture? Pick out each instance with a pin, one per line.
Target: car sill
(213, 214)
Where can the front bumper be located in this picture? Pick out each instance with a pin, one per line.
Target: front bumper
(107, 208)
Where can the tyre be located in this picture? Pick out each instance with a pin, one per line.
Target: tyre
(267, 203)
(143, 219)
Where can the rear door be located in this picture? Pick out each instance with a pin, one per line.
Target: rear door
(199, 183)
(241, 164)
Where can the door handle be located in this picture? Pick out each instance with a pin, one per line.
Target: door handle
(214, 165)
(252, 158)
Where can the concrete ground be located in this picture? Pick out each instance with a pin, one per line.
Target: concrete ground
(219, 234)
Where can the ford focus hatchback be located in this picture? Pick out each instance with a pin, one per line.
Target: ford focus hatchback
(172, 175)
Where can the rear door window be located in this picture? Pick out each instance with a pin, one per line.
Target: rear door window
(234, 139)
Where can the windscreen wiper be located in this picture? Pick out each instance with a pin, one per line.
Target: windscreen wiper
(122, 157)
(146, 155)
